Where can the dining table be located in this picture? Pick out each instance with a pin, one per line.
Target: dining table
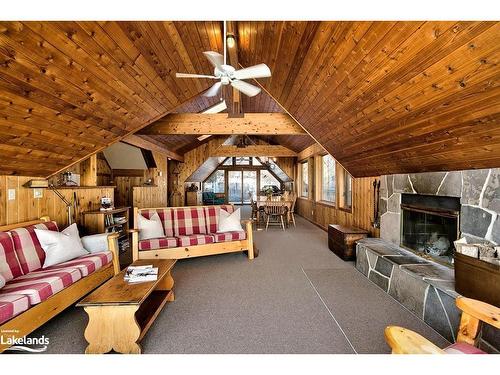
(261, 202)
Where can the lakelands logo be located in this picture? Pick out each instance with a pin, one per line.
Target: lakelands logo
(23, 344)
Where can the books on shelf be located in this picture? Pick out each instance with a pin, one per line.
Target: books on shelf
(141, 274)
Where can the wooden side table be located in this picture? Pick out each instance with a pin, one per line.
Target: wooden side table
(341, 240)
(121, 313)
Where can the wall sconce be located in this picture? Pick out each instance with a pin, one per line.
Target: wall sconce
(44, 184)
(231, 41)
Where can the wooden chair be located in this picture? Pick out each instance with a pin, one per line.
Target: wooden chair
(405, 341)
(275, 209)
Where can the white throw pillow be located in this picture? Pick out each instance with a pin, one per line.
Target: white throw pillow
(151, 228)
(60, 246)
(96, 243)
(229, 222)
(2, 282)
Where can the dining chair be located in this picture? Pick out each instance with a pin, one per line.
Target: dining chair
(277, 210)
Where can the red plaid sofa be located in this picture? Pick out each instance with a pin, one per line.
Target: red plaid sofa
(190, 232)
(31, 295)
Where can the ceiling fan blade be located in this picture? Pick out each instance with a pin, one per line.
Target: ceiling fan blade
(215, 58)
(256, 71)
(245, 88)
(214, 90)
(216, 108)
(189, 75)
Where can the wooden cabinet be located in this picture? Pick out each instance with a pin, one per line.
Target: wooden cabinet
(110, 221)
(194, 198)
(341, 240)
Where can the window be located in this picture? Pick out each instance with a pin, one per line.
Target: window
(244, 160)
(268, 180)
(304, 180)
(345, 189)
(215, 183)
(256, 161)
(328, 178)
(228, 161)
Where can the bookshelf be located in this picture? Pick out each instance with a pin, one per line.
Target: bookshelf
(110, 221)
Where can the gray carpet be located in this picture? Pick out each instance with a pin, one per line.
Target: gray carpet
(296, 297)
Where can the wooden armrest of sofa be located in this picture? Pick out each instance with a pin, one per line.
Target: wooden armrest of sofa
(473, 313)
(405, 341)
(480, 310)
(113, 247)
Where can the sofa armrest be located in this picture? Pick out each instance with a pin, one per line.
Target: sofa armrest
(405, 341)
(249, 235)
(113, 247)
(135, 243)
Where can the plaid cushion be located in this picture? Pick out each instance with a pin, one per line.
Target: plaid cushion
(195, 239)
(9, 264)
(29, 252)
(462, 348)
(230, 236)
(12, 305)
(166, 218)
(40, 285)
(157, 243)
(212, 216)
(87, 263)
(189, 220)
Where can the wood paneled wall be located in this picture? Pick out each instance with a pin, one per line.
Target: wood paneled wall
(287, 165)
(130, 191)
(193, 160)
(25, 207)
(361, 213)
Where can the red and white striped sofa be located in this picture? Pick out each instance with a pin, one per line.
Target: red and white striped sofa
(190, 232)
(31, 295)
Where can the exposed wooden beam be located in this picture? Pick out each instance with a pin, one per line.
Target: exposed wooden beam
(151, 144)
(253, 150)
(220, 123)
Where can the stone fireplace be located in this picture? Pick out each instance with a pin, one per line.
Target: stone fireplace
(430, 225)
(425, 213)
(476, 191)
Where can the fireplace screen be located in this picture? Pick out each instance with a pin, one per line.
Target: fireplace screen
(429, 231)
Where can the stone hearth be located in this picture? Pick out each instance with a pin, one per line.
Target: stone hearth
(424, 287)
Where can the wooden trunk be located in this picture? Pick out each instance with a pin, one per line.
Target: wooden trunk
(341, 240)
(477, 279)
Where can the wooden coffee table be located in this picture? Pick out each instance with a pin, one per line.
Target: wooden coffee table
(121, 313)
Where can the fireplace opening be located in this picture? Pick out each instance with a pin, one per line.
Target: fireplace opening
(430, 225)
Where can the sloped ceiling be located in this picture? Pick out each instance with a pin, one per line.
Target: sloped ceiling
(381, 97)
(68, 89)
(387, 97)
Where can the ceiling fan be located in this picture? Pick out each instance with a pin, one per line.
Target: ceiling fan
(228, 75)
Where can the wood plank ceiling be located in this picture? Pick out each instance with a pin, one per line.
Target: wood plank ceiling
(68, 89)
(386, 97)
(381, 97)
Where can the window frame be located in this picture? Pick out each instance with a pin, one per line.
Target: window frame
(320, 178)
(301, 179)
(343, 179)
